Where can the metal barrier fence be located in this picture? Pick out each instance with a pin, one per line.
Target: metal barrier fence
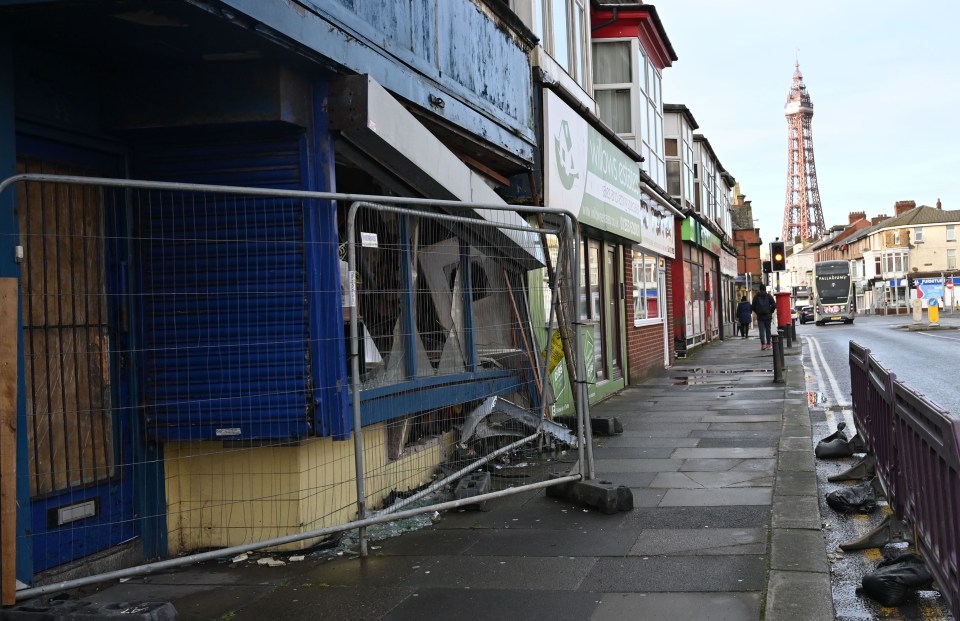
(917, 448)
(197, 358)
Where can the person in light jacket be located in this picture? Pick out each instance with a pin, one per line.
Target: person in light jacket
(744, 316)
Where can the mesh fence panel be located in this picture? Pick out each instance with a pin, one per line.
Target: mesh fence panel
(189, 373)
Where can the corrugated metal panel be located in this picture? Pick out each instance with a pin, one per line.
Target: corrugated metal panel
(224, 307)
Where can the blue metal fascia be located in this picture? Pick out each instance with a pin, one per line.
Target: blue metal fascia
(9, 239)
(335, 33)
(424, 394)
(327, 343)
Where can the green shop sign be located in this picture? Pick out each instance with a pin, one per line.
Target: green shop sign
(695, 232)
(589, 176)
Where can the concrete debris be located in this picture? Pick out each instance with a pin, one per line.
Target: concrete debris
(270, 562)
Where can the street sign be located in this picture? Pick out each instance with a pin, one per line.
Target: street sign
(949, 284)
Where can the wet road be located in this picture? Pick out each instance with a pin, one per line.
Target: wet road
(926, 361)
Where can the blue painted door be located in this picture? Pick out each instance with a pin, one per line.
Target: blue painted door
(80, 446)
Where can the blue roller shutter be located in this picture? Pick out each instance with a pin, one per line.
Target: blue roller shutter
(224, 328)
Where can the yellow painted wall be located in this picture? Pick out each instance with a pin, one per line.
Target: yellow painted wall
(221, 497)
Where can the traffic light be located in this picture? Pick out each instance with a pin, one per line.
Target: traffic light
(766, 267)
(778, 258)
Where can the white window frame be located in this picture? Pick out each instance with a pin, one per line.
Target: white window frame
(577, 62)
(918, 234)
(638, 268)
(951, 259)
(951, 233)
(629, 137)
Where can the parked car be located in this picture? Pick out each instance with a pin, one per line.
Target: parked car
(805, 314)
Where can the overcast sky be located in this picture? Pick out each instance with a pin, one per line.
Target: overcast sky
(884, 78)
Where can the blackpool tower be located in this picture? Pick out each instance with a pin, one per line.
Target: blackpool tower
(802, 214)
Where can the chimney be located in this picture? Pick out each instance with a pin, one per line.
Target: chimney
(856, 216)
(939, 206)
(878, 219)
(903, 206)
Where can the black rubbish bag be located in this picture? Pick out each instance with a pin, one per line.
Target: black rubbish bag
(837, 444)
(860, 498)
(895, 579)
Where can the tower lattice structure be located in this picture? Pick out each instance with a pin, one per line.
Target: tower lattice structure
(802, 214)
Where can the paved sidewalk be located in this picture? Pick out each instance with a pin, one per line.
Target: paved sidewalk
(726, 526)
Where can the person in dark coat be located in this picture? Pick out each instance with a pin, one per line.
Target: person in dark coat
(764, 305)
(744, 316)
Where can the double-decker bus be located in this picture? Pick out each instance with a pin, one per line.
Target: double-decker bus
(833, 296)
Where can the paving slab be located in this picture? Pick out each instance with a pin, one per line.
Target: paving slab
(678, 606)
(696, 480)
(741, 443)
(495, 605)
(638, 465)
(497, 572)
(542, 542)
(700, 541)
(309, 603)
(732, 573)
(726, 453)
(747, 516)
(796, 512)
(799, 596)
(637, 441)
(630, 479)
(608, 452)
(724, 497)
(548, 513)
(795, 549)
(792, 483)
(797, 461)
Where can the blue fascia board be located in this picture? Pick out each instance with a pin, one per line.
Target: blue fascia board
(336, 34)
(404, 399)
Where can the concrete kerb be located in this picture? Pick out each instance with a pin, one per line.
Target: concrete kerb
(798, 576)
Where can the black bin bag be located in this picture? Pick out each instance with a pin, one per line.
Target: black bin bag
(896, 579)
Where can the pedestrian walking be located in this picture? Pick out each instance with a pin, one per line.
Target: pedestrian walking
(764, 305)
(744, 316)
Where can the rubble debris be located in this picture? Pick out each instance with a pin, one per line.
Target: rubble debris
(498, 417)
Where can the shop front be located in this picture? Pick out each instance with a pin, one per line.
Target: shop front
(698, 277)
(599, 181)
(728, 293)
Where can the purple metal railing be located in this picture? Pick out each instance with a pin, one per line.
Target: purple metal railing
(928, 442)
(859, 361)
(916, 445)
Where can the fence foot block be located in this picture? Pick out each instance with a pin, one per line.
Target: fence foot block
(79, 610)
(604, 496)
(472, 485)
(863, 469)
(890, 529)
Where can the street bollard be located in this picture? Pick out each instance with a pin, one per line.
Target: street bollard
(781, 332)
(793, 329)
(933, 312)
(777, 359)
